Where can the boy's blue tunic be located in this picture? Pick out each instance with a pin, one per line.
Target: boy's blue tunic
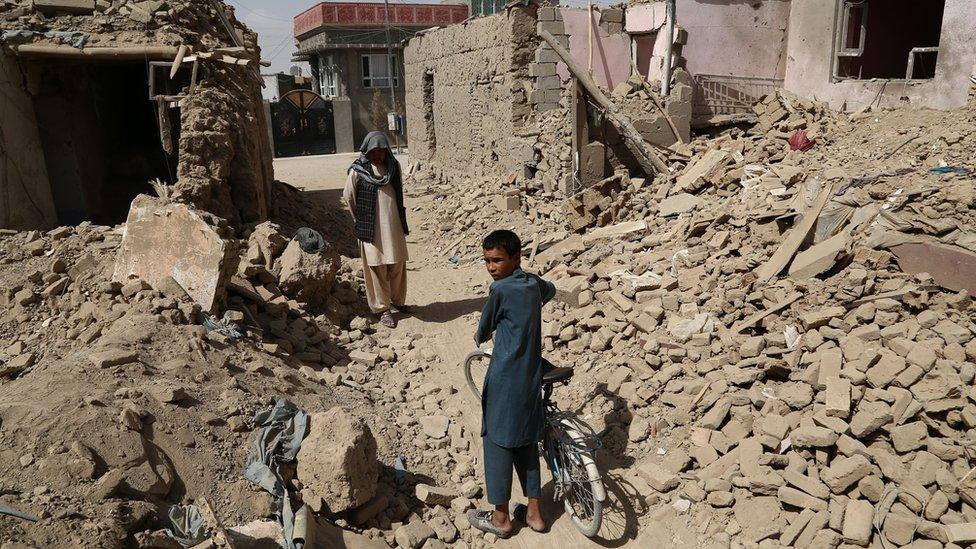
(511, 405)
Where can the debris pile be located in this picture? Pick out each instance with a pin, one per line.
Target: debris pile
(763, 334)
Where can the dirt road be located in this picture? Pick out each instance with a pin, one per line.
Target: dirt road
(448, 302)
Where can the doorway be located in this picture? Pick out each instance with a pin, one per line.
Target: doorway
(100, 135)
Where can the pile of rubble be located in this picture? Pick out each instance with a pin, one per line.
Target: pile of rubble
(787, 332)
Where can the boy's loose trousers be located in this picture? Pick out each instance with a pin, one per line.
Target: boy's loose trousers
(499, 462)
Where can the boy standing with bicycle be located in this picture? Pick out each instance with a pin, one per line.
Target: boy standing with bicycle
(512, 409)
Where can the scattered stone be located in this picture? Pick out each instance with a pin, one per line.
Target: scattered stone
(337, 460)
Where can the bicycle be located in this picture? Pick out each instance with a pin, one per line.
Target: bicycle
(568, 445)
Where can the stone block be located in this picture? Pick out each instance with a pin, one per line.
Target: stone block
(79, 7)
(707, 169)
(542, 69)
(546, 55)
(548, 83)
(163, 240)
(796, 498)
(554, 28)
(657, 477)
(844, 472)
(858, 520)
(678, 204)
(838, 397)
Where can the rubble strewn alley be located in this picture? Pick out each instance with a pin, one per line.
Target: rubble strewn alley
(766, 302)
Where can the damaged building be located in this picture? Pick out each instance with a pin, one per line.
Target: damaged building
(492, 97)
(101, 99)
(848, 53)
(493, 91)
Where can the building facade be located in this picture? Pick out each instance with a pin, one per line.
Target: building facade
(357, 63)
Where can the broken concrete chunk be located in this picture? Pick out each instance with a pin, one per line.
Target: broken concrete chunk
(858, 522)
(163, 239)
(678, 204)
(337, 460)
(657, 477)
(112, 357)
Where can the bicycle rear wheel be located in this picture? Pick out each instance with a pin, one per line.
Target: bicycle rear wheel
(584, 492)
(475, 369)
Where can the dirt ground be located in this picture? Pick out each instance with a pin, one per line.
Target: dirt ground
(447, 300)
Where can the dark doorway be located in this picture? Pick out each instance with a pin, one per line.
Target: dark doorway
(101, 139)
(302, 124)
(877, 39)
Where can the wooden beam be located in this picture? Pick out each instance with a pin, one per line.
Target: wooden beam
(649, 161)
(119, 53)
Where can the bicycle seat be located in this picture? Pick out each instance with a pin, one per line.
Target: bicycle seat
(556, 375)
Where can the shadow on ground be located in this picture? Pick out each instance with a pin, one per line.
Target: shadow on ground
(446, 311)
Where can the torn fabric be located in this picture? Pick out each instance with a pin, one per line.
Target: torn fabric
(188, 527)
(282, 429)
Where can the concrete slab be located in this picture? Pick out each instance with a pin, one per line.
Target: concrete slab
(164, 239)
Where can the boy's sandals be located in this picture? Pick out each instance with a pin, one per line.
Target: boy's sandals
(519, 513)
(387, 320)
(481, 520)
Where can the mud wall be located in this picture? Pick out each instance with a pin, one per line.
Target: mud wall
(467, 94)
(225, 154)
(25, 194)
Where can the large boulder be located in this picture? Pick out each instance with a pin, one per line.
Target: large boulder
(307, 277)
(337, 461)
(164, 239)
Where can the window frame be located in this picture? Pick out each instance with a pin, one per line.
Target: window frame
(366, 67)
(328, 76)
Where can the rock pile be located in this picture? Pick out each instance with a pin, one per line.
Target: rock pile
(768, 348)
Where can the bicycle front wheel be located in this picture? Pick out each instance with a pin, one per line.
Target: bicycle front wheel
(584, 491)
(475, 369)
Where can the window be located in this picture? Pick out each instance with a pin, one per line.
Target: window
(330, 77)
(486, 7)
(895, 39)
(376, 70)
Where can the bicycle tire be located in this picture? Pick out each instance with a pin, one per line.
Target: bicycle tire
(468, 360)
(595, 492)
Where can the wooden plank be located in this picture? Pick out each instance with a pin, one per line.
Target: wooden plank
(646, 157)
(787, 249)
(163, 53)
(757, 317)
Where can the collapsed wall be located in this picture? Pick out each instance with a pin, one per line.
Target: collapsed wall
(78, 156)
(490, 99)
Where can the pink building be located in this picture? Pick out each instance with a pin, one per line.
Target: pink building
(849, 53)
